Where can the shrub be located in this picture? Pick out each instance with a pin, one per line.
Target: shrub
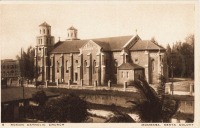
(66, 108)
(40, 97)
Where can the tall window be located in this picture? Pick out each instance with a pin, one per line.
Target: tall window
(122, 74)
(153, 65)
(94, 66)
(127, 74)
(39, 70)
(66, 65)
(115, 66)
(85, 65)
(44, 31)
(58, 66)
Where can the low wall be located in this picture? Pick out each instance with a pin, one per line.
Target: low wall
(108, 100)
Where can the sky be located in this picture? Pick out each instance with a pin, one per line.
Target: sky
(167, 23)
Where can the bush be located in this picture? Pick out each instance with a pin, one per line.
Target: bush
(66, 108)
(40, 97)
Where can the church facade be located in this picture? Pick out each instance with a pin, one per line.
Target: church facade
(116, 59)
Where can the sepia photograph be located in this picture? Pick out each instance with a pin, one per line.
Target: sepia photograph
(93, 62)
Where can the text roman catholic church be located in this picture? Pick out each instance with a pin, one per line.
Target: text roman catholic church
(118, 59)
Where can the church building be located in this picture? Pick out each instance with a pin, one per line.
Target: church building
(117, 59)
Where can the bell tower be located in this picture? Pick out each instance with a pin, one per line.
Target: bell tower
(44, 44)
(72, 33)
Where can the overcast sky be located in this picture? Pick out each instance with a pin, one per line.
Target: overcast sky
(168, 23)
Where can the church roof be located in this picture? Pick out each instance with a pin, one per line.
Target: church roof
(146, 45)
(45, 24)
(129, 66)
(112, 43)
(68, 46)
(72, 28)
(108, 44)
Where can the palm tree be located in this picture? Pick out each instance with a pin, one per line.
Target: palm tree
(152, 108)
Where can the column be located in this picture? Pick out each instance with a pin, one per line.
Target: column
(102, 68)
(51, 74)
(79, 68)
(125, 85)
(147, 73)
(159, 66)
(88, 68)
(98, 65)
(61, 68)
(45, 63)
(71, 67)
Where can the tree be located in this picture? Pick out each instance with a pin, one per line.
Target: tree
(181, 58)
(26, 62)
(66, 108)
(152, 108)
(37, 111)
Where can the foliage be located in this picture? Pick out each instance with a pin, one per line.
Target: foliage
(152, 108)
(180, 57)
(66, 108)
(40, 97)
(120, 118)
(26, 61)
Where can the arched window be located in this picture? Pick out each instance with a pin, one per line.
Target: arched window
(66, 65)
(58, 66)
(153, 65)
(127, 74)
(44, 31)
(94, 66)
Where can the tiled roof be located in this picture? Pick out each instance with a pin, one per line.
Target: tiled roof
(113, 43)
(129, 66)
(45, 24)
(68, 46)
(108, 44)
(146, 45)
(72, 28)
